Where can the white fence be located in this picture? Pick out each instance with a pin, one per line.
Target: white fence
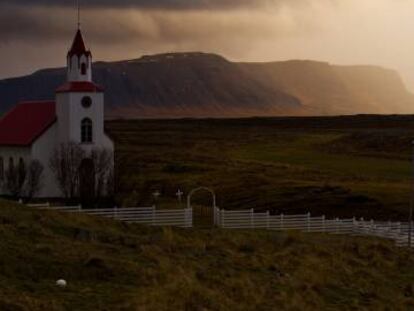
(248, 219)
(140, 215)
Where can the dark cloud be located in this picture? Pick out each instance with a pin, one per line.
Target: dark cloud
(149, 4)
(37, 33)
(41, 24)
(119, 33)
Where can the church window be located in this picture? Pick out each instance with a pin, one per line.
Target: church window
(86, 102)
(83, 69)
(86, 131)
(1, 169)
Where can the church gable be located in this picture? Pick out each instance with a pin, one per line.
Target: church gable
(26, 122)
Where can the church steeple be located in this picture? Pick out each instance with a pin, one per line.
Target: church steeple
(78, 46)
(79, 60)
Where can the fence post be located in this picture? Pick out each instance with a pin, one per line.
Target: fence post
(362, 230)
(79, 207)
(215, 216)
(323, 223)
(353, 225)
(308, 216)
(267, 220)
(153, 215)
(222, 214)
(189, 216)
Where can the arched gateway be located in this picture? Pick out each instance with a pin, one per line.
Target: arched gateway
(203, 216)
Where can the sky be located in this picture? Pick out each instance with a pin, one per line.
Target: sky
(36, 34)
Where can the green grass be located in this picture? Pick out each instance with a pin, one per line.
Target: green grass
(306, 153)
(114, 266)
(283, 165)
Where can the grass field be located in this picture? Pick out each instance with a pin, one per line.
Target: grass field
(355, 166)
(114, 266)
(340, 166)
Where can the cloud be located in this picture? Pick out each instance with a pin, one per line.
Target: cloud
(133, 32)
(152, 4)
(177, 27)
(37, 33)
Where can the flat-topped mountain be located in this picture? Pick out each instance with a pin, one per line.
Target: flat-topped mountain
(208, 85)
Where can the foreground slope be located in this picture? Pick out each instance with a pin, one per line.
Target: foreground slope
(113, 266)
(207, 85)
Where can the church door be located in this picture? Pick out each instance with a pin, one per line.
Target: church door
(87, 182)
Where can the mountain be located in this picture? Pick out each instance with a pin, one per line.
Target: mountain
(207, 85)
(325, 89)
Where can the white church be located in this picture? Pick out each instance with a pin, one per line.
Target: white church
(33, 130)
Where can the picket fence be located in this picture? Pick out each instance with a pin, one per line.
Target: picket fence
(140, 215)
(248, 219)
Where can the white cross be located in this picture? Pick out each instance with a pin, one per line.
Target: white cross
(156, 194)
(179, 194)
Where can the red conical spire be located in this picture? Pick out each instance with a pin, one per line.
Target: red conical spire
(78, 46)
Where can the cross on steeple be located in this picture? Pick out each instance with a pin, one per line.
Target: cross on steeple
(79, 14)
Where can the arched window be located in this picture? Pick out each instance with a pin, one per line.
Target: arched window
(86, 131)
(83, 69)
(1, 169)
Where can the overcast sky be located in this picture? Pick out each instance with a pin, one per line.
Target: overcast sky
(36, 34)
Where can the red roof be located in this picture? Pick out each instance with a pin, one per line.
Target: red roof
(26, 122)
(78, 46)
(80, 87)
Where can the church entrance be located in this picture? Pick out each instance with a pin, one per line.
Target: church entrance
(87, 182)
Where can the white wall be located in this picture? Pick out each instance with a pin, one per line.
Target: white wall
(70, 114)
(42, 151)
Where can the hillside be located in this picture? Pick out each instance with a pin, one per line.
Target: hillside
(326, 89)
(334, 166)
(207, 85)
(113, 266)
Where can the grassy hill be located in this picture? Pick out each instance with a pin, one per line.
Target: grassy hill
(340, 166)
(113, 266)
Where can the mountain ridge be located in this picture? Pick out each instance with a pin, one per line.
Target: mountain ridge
(198, 84)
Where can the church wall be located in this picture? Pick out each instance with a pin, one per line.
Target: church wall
(42, 150)
(64, 117)
(108, 143)
(72, 113)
